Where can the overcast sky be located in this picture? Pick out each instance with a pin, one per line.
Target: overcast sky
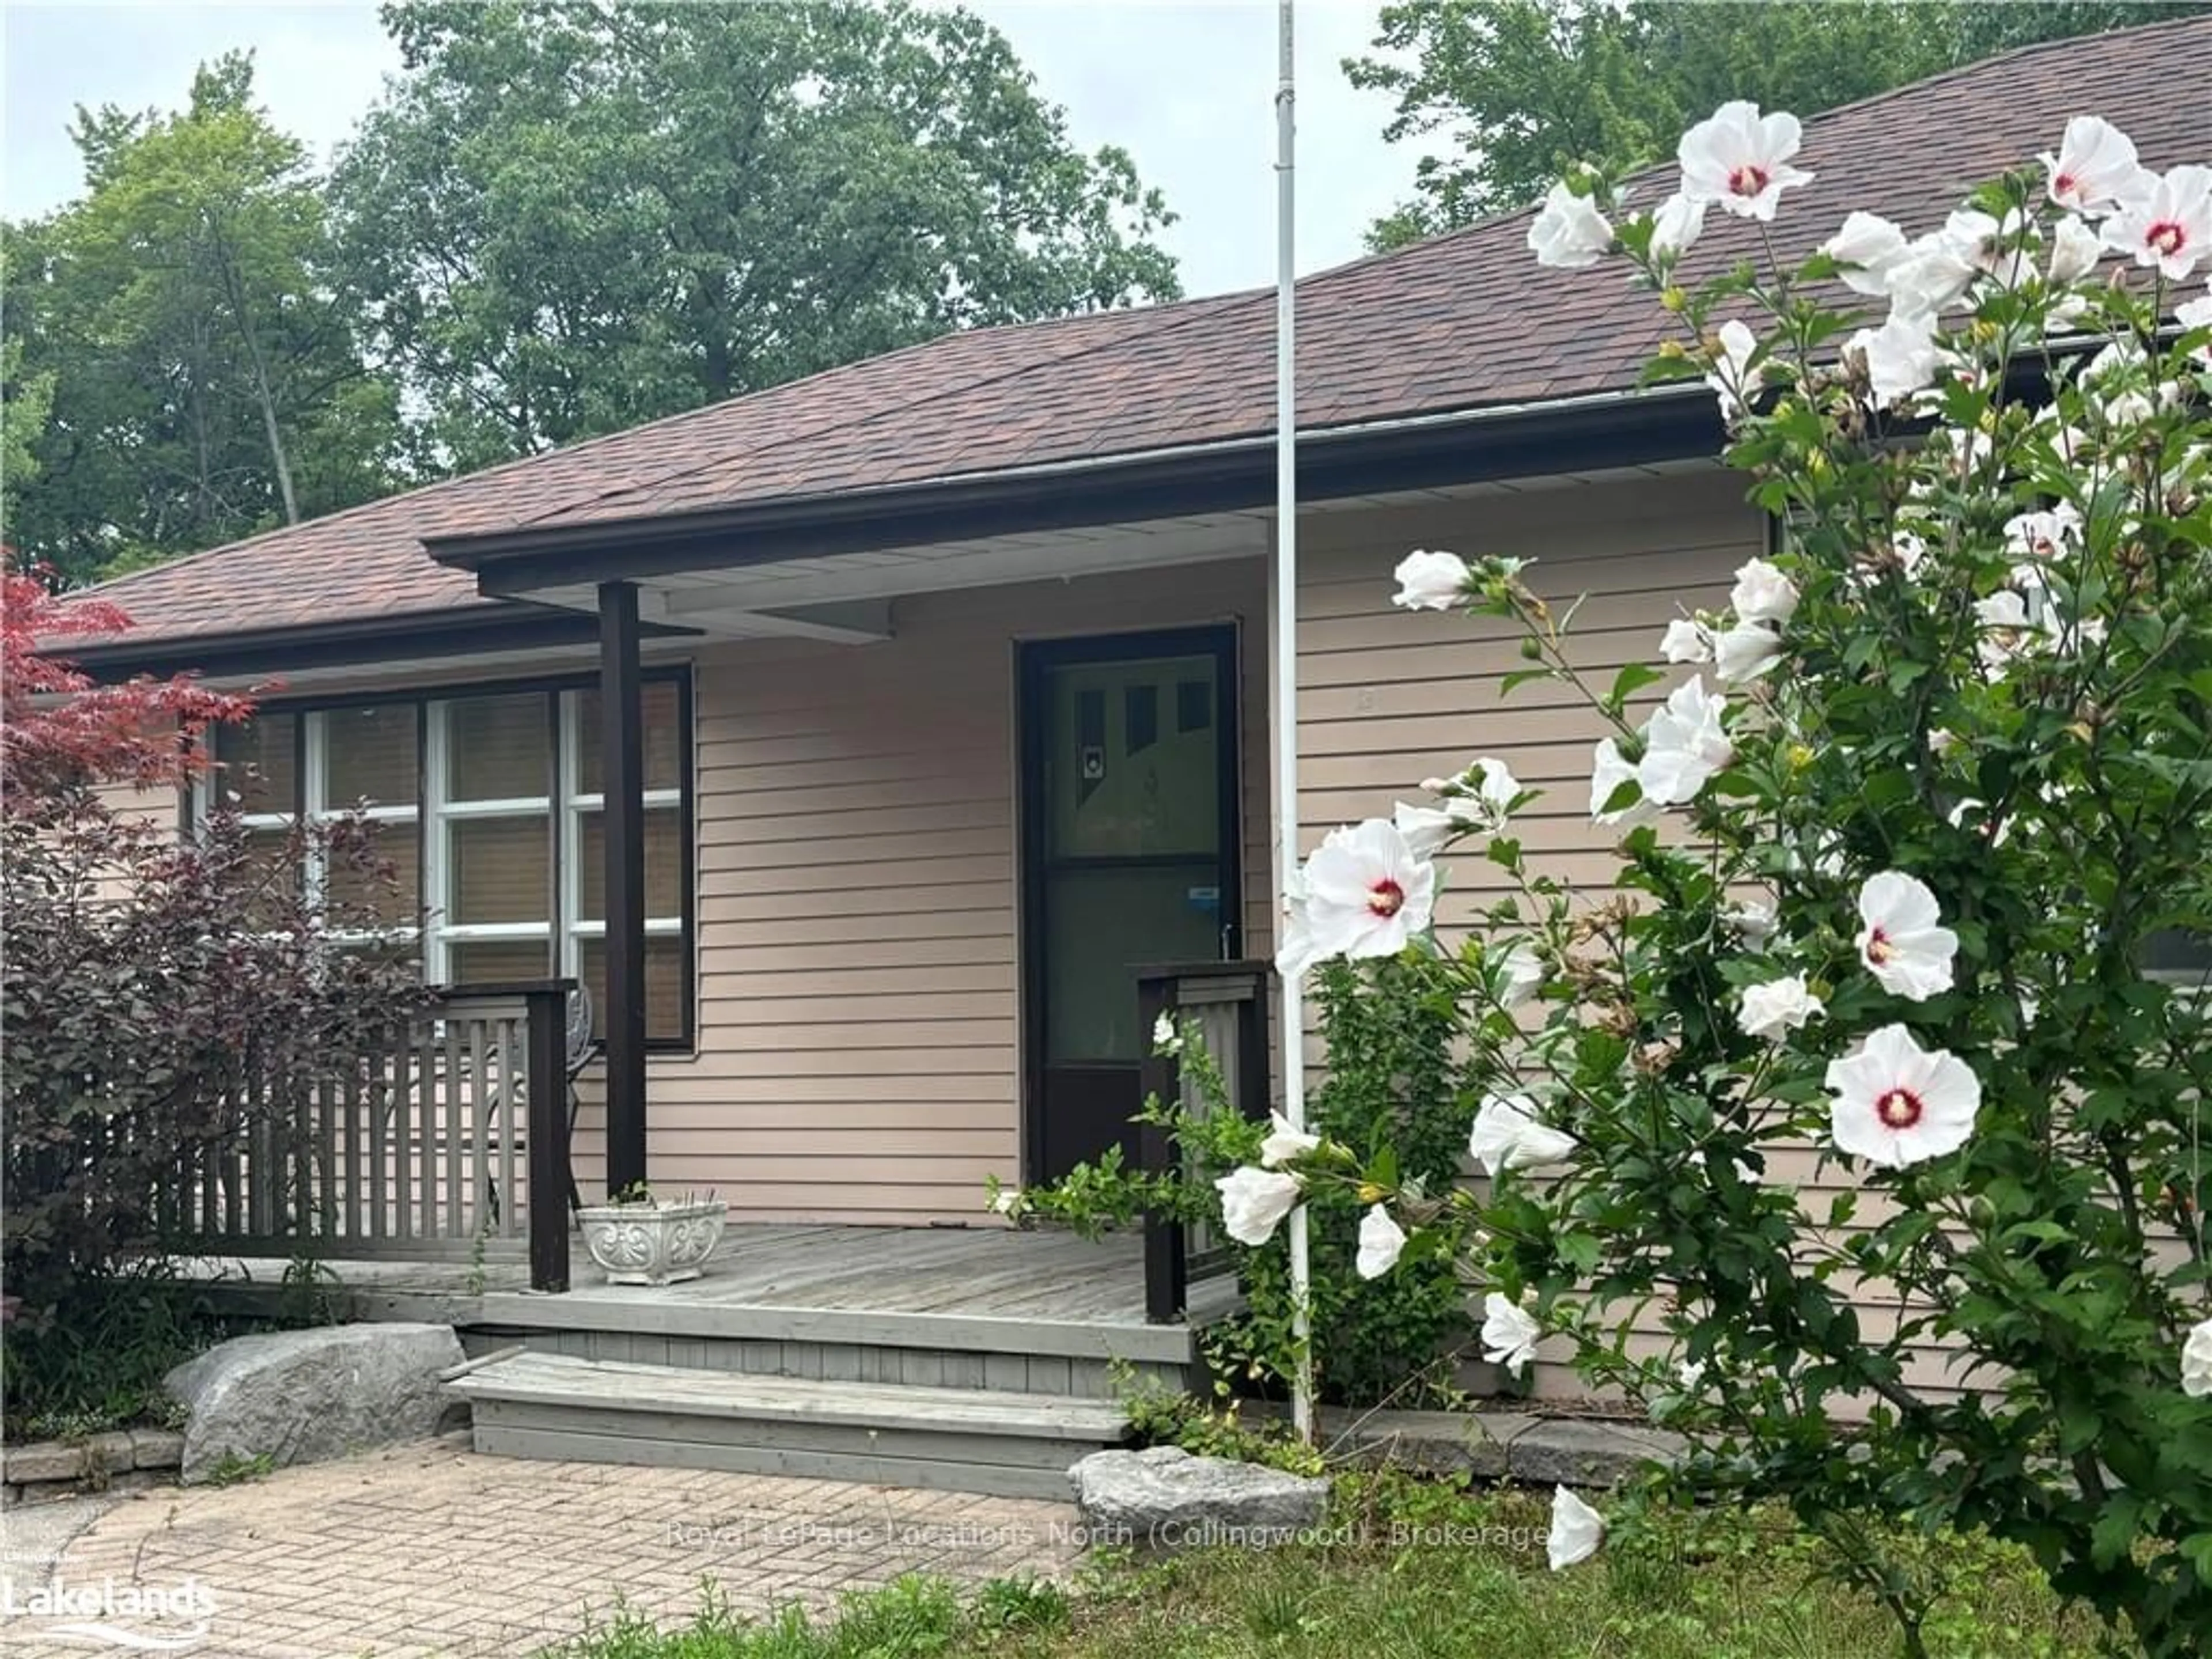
(1188, 89)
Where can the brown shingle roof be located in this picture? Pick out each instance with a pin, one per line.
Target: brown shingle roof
(1460, 322)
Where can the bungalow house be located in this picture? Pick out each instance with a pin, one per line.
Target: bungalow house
(854, 741)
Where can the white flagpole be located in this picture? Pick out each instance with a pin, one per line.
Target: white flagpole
(1286, 670)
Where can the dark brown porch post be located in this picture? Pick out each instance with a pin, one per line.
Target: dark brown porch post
(622, 771)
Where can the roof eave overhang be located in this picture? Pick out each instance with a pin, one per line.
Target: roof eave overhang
(475, 630)
(1612, 429)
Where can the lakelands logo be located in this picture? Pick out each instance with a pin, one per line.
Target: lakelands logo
(142, 1618)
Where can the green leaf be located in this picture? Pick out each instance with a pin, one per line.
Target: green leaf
(1633, 677)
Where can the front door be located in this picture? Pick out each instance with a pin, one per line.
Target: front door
(1129, 797)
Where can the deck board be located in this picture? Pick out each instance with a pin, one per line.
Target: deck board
(984, 1290)
(612, 1385)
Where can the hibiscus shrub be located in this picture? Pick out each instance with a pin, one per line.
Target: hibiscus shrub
(1895, 865)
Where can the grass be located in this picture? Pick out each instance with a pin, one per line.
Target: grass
(1419, 1572)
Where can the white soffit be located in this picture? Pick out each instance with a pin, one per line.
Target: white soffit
(826, 598)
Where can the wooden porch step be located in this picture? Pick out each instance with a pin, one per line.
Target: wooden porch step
(559, 1407)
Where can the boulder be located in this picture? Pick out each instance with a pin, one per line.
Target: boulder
(1165, 1499)
(308, 1396)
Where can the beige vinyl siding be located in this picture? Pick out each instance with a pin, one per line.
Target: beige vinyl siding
(1387, 697)
(857, 1055)
(127, 800)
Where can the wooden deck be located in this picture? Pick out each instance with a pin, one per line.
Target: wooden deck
(983, 1359)
(951, 1289)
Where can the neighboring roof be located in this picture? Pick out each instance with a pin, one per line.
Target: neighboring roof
(1458, 324)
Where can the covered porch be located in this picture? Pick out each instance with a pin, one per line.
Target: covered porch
(943, 803)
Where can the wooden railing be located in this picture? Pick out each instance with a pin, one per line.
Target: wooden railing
(449, 1138)
(1226, 1002)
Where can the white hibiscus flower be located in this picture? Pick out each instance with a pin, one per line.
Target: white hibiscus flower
(1731, 377)
(1510, 1334)
(2095, 169)
(1507, 1136)
(1901, 939)
(1431, 580)
(1381, 1241)
(2074, 250)
(1577, 1531)
(2171, 227)
(2196, 1361)
(1679, 221)
(1777, 1007)
(1866, 247)
(1901, 356)
(1365, 894)
(1896, 1104)
(1255, 1202)
(1685, 641)
(1569, 232)
(1284, 1141)
(1741, 159)
(1685, 743)
(1745, 652)
(1762, 593)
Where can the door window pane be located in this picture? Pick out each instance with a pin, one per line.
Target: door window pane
(664, 867)
(260, 763)
(370, 757)
(500, 870)
(1104, 923)
(663, 984)
(663, 748)
(1124, 782)
(500, 748)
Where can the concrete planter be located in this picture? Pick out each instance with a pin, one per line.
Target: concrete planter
(653, 1243)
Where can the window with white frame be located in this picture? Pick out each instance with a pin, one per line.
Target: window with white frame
(320, 764)
(495, 821)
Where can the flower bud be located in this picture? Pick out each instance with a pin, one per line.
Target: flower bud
(1672, 298)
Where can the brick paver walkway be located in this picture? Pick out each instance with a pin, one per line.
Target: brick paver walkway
(434, 1551)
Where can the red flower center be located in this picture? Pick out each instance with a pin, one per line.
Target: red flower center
(1899, 1109)
(1879, 948)
(2167, 237)
(1386, 897)
(2063, 186)
(1748, 179)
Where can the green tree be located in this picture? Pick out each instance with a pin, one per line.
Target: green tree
(568, 219)
(25, 402)
(203, 377)
(1520, 90)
